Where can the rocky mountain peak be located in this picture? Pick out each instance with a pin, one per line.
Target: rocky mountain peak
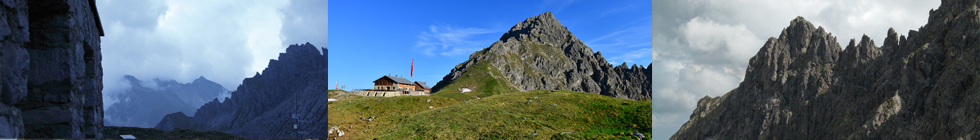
(892, 39)
(145, 103)
(541, 54)
(543, 20)
(201, 80)
(302, 49)
(794, 87)
(799, 47)
(543, 28)
(292, 84)
(132, 80)
(798, 27)
(860, 53)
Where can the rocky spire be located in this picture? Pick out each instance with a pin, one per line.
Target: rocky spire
(796, 88)
(292, 84)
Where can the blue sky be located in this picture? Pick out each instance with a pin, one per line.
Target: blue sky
(370, 39)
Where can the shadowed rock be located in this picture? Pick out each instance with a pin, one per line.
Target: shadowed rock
(262, 105)
(802, 86)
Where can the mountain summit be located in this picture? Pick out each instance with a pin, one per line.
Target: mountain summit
(146, 102)
(291, 91)
(541, 54)
(803, 86)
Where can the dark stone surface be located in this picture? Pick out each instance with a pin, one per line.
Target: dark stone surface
(262, 106)
(802, 86)
(11, 124)
(14, 63)
(540, 54)
(14, 59)
(44, 117)
(50, 65)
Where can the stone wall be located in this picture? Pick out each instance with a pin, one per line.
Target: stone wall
(14, 62)
(51, 70)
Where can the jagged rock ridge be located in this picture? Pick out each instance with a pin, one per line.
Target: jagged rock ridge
(540, 54)
(263, 105)
(802, 86)
(144, 105)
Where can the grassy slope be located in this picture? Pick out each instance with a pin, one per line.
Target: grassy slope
(457, 96)
(344, 113)
(587, 116)
(479, 79)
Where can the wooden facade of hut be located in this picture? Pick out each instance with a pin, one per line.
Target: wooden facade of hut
(392, 83)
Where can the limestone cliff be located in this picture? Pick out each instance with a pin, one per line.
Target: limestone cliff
(540, 54)
(801, 85)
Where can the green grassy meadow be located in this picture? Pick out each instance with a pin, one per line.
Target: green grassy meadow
(503, 116)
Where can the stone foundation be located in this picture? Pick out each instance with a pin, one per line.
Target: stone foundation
(388, 93)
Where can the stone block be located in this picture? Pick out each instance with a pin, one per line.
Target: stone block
(11, 124)
(58, 98)
(91, 88)
(47, 116)
(13, 85)
(53, 64)
(93, 132)
(62, 130)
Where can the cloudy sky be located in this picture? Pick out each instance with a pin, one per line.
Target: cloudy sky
(222, 40)
(702, 47)
(370, 39)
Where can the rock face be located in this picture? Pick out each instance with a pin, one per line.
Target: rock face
(263, 106)
(51, 69)
(174, 120)
(803, 86)
(540, 54)
(145, 103)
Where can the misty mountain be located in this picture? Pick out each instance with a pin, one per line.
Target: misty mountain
(541, 54)
(146, 102)
(263, 106)
(802, 85)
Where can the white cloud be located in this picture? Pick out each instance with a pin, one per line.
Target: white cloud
(223, 95)
(630, 57)
(617, 34)
(450, 41)
(630, 44)
(718, 44)
(305, 21)
(223, 40)
(617, 10)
